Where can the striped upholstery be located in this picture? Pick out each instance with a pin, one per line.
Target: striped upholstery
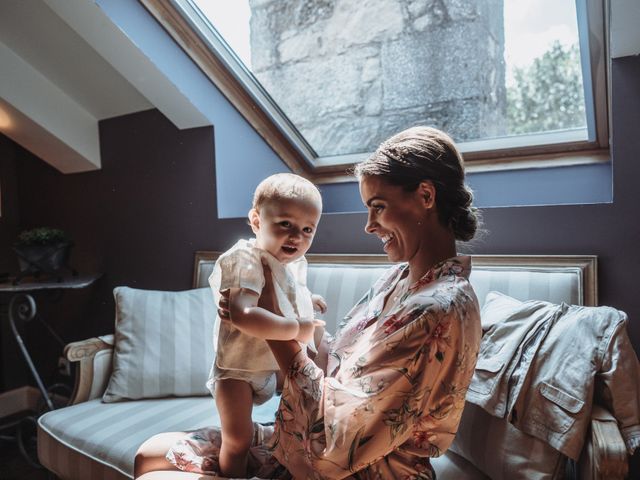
(520, 456)
(163, 344)
(551, 285)
(341, 286)
(94, 440)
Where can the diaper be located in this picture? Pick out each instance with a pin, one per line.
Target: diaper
(263, 383)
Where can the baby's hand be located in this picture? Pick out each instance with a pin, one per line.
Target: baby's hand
(307, 328)
(319, 305)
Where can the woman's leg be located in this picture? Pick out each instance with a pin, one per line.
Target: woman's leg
(150, 457)
(234, 399)
(176, 476)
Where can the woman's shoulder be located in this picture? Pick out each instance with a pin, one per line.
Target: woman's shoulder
(446, 285)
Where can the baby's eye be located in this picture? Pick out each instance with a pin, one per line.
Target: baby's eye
(285, 223)
(307, 230)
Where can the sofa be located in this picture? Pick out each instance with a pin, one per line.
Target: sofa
(91, 439)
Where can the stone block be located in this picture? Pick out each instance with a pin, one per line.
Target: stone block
(301, 46)
(361, 23)
(308, 90)
(436, 65)
(342, 135)
(351, 73)
(371, 69)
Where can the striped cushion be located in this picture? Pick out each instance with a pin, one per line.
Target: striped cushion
(552, 285)
(503, 452)
(163, 344)
(341, 286)
(97, 440)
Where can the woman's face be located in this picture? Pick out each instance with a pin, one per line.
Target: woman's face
(395, 216)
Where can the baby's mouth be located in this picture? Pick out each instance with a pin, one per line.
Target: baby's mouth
(289, 249)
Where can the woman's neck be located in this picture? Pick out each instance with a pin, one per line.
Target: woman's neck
(441, 247)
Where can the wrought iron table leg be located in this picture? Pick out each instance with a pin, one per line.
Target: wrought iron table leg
(23, 307)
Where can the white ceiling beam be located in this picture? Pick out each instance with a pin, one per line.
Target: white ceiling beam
(35, 113)
(625, 28)
(90, 22)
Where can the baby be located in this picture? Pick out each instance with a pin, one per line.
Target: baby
(285, 214)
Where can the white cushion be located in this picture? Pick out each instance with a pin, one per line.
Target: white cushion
(163, 344)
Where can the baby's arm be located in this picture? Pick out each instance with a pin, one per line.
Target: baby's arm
(319, 304)
(259, 322)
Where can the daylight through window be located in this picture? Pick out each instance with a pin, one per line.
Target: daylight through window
(498, 75)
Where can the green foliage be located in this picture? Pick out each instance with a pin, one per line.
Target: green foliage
(42, 236)
(547, 94)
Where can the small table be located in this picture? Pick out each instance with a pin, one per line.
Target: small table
(21, 307)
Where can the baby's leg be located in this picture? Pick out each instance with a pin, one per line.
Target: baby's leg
(234, 399)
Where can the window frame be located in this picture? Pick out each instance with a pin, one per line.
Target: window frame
(205, 46)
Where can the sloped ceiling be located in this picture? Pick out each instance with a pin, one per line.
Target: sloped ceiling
(65, 67)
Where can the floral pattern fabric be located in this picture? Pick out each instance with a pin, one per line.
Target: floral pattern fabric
(393, 392)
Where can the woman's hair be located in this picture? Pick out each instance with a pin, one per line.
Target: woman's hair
(283, 186)
(424, 153)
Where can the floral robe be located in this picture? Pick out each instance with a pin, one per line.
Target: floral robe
(392, 395)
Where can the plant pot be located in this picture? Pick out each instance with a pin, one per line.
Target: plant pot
(43, 258)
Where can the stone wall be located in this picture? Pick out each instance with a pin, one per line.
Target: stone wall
(350, 73)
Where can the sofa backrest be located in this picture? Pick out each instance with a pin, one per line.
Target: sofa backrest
(343, 279)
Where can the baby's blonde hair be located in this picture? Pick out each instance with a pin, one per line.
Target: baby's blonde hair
(286, 186)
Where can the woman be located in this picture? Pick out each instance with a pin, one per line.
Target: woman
(387, 393)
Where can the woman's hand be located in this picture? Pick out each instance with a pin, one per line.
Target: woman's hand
(223, 306)
(306, 329)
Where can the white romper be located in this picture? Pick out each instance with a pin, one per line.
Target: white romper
(241, 356)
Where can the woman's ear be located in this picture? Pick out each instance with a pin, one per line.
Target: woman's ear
(427, 192)
(254, 220)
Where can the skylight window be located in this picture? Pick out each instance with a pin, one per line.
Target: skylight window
(505, 78)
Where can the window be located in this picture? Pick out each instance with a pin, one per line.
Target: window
(325, 81)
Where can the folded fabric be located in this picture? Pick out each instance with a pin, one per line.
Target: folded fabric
(540, 365)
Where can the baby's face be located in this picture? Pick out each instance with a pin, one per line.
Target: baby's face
(285, 228)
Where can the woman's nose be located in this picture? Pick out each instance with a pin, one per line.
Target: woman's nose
(370, 226)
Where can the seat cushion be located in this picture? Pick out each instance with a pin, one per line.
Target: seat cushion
(99, 440)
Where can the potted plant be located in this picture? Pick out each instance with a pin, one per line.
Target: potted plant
(42, 250)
